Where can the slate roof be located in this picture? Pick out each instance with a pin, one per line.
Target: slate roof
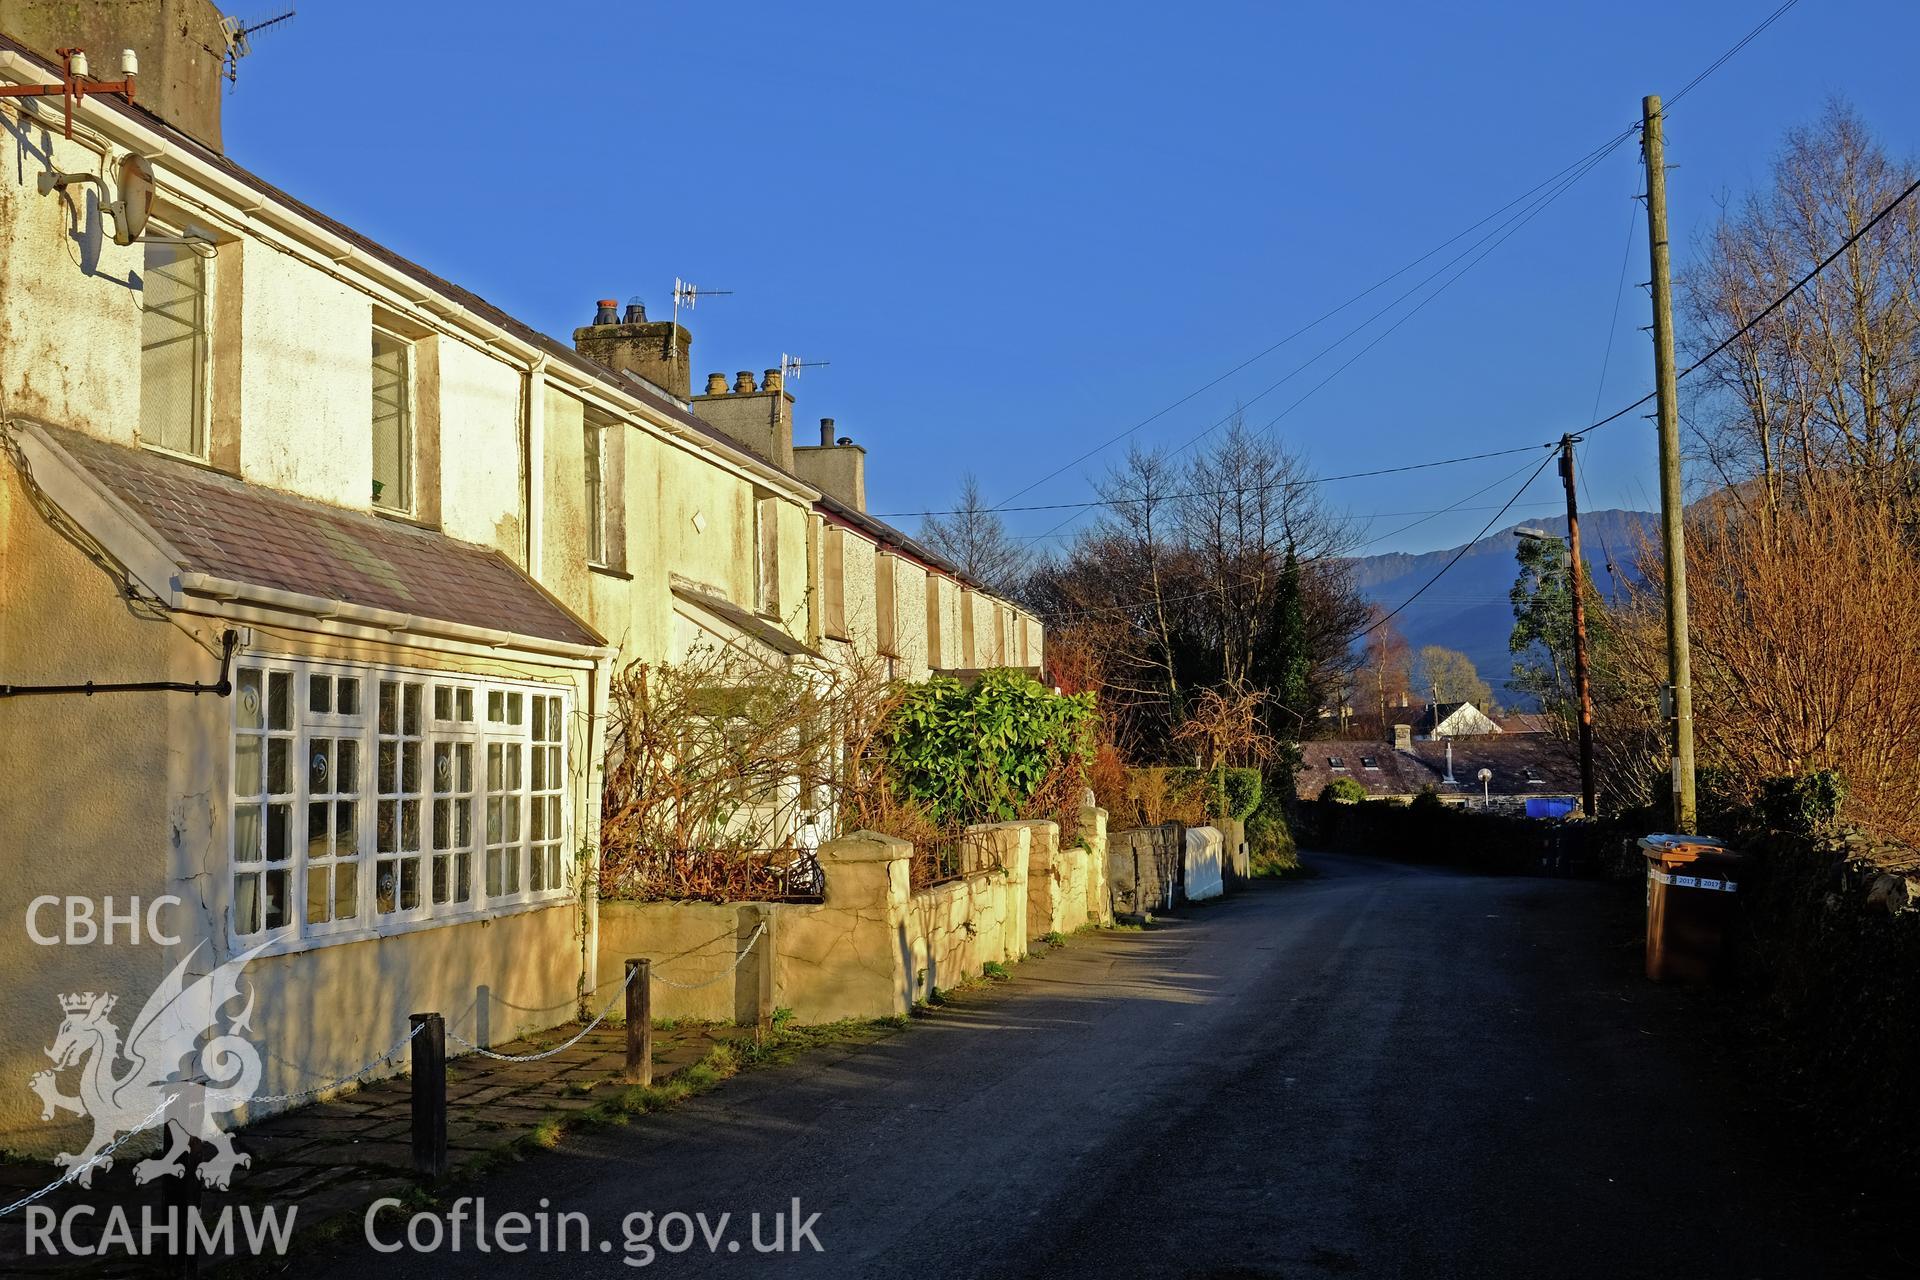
(1395, 773)
(229, 529)
(1509, 756)
(740, 620)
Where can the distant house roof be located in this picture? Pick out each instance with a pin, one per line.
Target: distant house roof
(1453, 718)
(1392, 773)
(1525, 722)
(229, 530)
(1522, 764)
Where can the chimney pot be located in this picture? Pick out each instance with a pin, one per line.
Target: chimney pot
(826, 433)
(743, 382)
(607, 312)
(636, 313)
(772, 380)
(716, 384)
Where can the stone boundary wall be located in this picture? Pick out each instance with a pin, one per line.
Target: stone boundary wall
(874, 946)
(1146, 868)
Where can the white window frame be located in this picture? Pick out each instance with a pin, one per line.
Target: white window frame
(201, 431)
(409, 425)
(297, 933)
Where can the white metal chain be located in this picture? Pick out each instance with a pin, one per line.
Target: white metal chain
(156, 1117)
(725, 973)
(547, 1053)
(355, 1074)
(484, 1052)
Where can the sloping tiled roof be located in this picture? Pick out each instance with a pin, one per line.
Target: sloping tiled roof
(1525, 722)
(1509, 756)
(225, 528)
(732, 615)
(1395, 773)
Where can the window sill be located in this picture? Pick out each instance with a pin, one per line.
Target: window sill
(191, 459)
(285, 945)
(610, 571)
(404, 517)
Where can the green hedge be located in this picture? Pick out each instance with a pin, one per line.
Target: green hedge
(977, 753)
(1230, 793)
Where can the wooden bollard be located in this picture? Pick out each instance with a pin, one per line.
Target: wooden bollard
(428, 1055)
(640, 1022)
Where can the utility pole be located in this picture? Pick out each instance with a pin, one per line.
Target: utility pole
(1577, 574)
(1679, 660)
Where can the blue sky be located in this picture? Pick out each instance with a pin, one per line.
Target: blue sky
(1017, 230)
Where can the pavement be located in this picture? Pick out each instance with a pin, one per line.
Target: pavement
(1385, 1071)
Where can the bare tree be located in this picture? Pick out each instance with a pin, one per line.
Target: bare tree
(1830, 380)
(1220, 575)
(975, 538)
(1450, 676)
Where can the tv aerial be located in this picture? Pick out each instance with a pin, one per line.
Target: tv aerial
(791, 366)
(236, 33)
(685, 294)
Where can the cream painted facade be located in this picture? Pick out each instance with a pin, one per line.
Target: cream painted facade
(134, 795)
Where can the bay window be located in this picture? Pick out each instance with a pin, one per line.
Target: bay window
(357, 795)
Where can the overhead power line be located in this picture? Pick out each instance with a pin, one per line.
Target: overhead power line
(1523, 198)
(1582, 166)
(1296, 482)
(1384, 619)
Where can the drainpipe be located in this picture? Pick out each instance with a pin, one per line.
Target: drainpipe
(533, 488)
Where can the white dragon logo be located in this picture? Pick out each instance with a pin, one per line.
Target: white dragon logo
(223, 1076)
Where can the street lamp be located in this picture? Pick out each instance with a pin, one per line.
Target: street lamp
(1486, 779)
(1576, 579)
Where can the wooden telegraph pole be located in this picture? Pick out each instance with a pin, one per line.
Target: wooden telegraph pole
(1672, 502)
(1577, 574)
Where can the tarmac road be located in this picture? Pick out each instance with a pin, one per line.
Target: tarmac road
(1386, 1071)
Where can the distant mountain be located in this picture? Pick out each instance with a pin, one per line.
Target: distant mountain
(1468, 608)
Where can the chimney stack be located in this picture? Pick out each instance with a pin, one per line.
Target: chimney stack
(659, 350)
(756, 415)
(1403, 738)
(836, 466)
(178, 51)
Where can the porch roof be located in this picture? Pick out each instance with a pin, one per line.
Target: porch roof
(226, 529)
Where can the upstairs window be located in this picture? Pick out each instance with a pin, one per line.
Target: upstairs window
(766, 560)
(392, 422)
(1534, 778)
(1336, 762)
(596, 464)
(1370, 762)
(885, 619)
(173, 350)
(833, 583)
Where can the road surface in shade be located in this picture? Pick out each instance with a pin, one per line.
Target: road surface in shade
(1385, 1071)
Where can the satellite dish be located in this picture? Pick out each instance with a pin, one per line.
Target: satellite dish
(131, 210)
